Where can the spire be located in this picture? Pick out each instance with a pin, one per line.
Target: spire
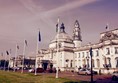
(77, 24)
(77, 31)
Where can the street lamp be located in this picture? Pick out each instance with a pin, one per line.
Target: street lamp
(91, 54)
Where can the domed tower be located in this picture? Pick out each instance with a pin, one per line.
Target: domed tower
(62, 37)
(62, 46)
(77, 39)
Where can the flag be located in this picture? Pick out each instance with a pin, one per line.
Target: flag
(90, 52)
(56, 27)
(39, 37)
(26, 42)
(106, 26)
(17, 47)
(7, 52)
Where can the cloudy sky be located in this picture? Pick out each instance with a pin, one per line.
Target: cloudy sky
(21, 19)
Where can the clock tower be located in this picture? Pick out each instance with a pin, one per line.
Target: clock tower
(77, 34)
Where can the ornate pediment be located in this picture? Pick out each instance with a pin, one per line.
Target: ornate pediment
(109, 36)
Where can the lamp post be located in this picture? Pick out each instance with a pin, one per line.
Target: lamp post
(57, 56)
(91, 65)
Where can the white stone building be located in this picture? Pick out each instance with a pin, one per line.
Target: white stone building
(68, 54)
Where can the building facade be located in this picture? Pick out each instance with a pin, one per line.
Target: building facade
(67, 53)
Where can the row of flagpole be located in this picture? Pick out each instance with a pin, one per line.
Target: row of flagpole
(16, 53)
(9, 58)
(37, 48)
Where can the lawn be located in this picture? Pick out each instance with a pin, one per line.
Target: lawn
(16, 77)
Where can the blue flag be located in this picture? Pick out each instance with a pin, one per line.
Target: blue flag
(90, 52)
(106, 26)
(17, 47)
(56, 27)
(39, 37)
(26, 42)
(7, 52)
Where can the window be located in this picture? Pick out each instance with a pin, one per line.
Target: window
(107, 51)
(97, 53)
(83, 54)
(79, 55)
(67, 62)
(116, 50)
(117, 62)
(71, 63)
(109, 62)
(93, 65)
(98, 63)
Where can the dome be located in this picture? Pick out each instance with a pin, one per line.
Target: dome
(62, 37)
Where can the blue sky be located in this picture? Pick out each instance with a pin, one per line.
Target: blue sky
(21, 19)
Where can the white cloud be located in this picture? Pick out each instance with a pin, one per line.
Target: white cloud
(45, 16)
(29, 4)
(67, 7)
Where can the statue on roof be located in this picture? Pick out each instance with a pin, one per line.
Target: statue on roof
(62, 28)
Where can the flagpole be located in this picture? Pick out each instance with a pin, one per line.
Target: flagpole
(24, 49)
(15, 59)
(37, 47)
(57, 69)
(4, 62)
(9, 61)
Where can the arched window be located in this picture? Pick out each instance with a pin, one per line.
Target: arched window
(71, 63)
(98, 63)
(84, 63)
(107, 51)
(116, 50)
(76, 63)
(109, 62)
(93, 65)
(88, 63)
(67, 62)
(116, 59)
(97, 53)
